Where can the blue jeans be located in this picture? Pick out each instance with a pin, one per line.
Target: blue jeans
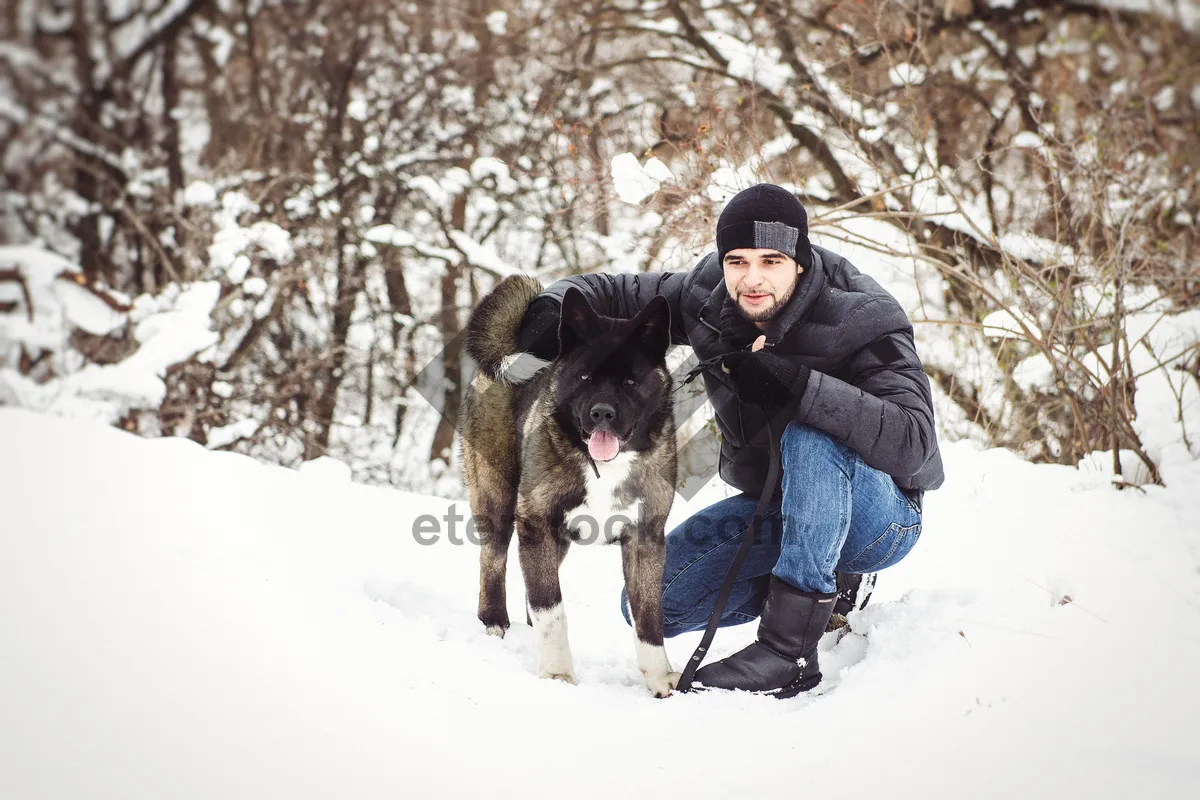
(836, 513)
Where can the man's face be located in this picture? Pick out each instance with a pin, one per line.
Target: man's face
(760, 281)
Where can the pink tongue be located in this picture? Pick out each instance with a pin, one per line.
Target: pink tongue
(603, 446)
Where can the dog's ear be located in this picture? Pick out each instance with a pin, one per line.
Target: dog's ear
(654, 332)
(578, 320)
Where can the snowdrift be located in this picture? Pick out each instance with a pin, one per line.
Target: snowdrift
(182, 623)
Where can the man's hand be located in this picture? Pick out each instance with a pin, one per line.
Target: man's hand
(539, 329)
(763, 378)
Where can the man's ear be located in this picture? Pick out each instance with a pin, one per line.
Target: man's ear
(577, 322)
(655, 331)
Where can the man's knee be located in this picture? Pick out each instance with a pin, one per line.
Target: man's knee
(804, 445)
(672, 608)
(797, 434)
(673, 625)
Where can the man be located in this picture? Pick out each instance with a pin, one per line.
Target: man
(806, 340)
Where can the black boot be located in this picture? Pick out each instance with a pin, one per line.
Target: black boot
(783, 662)
(854, 591)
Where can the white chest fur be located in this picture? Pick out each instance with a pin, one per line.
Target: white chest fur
(602, 517)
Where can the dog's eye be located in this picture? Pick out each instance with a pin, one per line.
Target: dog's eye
(630, 382)
(585, 377)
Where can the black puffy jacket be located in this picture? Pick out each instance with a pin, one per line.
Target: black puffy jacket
(867, 390)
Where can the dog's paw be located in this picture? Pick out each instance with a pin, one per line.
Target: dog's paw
(661, 684)
(565, 677)
(497, 630)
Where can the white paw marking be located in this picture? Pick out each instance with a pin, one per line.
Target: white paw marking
(656, 669)
(564, 677)
(662, 685)
(553, 649)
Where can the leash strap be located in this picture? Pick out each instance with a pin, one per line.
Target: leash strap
(689, 671)
(700, 367)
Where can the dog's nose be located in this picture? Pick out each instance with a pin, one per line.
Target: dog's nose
(603, 412)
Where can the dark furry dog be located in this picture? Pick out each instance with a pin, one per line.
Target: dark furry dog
(580, 449)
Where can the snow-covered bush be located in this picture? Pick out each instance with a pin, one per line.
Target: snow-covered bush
(332, 193)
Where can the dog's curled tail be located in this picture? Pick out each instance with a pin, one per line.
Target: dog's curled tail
(493, 328)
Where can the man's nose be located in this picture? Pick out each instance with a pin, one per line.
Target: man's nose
(754, 276)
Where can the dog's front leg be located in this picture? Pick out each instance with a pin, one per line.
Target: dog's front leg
(539, 553)
(643, 553)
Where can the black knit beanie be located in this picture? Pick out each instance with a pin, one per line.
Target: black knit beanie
(765, 216)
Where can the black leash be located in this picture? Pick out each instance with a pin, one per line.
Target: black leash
(689, 671)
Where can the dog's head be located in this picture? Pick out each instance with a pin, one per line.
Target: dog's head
(613, 381)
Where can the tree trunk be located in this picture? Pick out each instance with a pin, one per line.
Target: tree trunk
(321, 414)
(401, 303)
(443, 438)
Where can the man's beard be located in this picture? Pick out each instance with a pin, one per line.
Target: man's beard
(764, 314)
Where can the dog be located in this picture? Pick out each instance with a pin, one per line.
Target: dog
(580, 449)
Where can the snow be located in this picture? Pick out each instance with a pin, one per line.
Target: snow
(486, 167)
(906, 74)
(453, 183)
(255, 286)
(169, 329)
(1035, 248)
(749, 62)
(358, 109)
(199, 193)
(655, 169)
(390, 234)
(222, 42)
(173, 334)
(56, 298)
(635, 182)
(481, 255)
(1034, 372)
(1164, 99)
(726, 181)
(231, 243)
(1167, 400)
(1186, 12)
(85, 310)
(497, 22)
(178, 622)
(1029, 140)
(1010, 324)
(228, 434)
(326, 468)
(142, 27)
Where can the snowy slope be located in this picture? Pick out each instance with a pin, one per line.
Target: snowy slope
(180, 623)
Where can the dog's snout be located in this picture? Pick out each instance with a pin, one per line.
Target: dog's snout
(603, 412)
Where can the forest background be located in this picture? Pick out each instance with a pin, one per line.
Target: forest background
(262, 224)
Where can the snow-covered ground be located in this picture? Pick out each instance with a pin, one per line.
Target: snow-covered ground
(180, 623)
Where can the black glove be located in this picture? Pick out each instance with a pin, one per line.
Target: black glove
(765, 379)
(539, 329)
